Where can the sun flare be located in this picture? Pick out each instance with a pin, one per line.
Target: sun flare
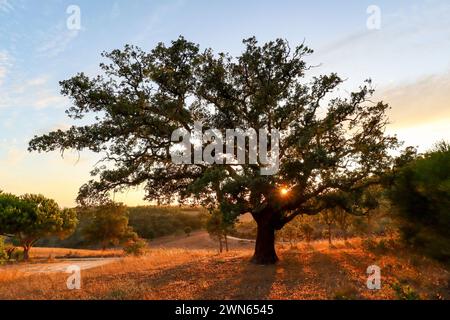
(284, 191)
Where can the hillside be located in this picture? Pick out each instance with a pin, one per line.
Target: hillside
(190, 268)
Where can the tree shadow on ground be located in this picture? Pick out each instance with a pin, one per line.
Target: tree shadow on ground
(241, 279)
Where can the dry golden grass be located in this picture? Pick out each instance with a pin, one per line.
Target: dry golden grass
(45, 253)
(307, 271)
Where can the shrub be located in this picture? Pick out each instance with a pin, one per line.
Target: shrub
(135, 247)
(17, 255)
(405, 292)
(6, 250)
(421, 195)
(3, 255)
(381, 247)
(188, 230)
(369, 244)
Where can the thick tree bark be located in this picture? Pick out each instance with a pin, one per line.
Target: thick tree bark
(265, 244)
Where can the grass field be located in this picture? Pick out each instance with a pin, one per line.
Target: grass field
(191, 268)
(52, 253)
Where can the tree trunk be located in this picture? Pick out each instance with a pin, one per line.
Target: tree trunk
(220, 244)
(226, 242)
(329, 234)
(26, 254)
(265, 244)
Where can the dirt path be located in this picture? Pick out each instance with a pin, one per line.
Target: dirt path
(61, 265)
(198, 240)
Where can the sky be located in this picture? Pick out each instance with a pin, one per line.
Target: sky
(402, 45)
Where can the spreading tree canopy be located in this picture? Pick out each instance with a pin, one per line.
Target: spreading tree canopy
(28, 218)
(329, 145)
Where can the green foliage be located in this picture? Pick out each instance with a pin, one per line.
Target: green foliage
(16, 215)
(3, 255)
(149, 222)
(421, 195)
(28, 218)
(18, 255)
(51, 220)
(153, 222)
(109, 225)
(219, 227)
(327, 144)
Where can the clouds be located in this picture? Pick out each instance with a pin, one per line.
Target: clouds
(5, 65)
(56, 41)
(12, 152)
(6, 6)
(36, 93)
(38, 81)
(115, 11)
(420, 114)
(400, 51)
(47, 99)
(423, 101)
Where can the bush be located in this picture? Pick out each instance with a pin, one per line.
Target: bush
(381, 247)
(369, 244)
(405, 292)
(7, 251)
(17, 255)
(3, 255)
(135, 247)
(421, 195)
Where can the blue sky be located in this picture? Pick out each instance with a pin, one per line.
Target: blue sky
(408, 59)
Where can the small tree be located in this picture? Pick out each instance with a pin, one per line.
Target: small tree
(343, 220)
(307, 231)
(219, 228)
(29, 218)
(328, 217)
(214, 228)
(109, 225)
